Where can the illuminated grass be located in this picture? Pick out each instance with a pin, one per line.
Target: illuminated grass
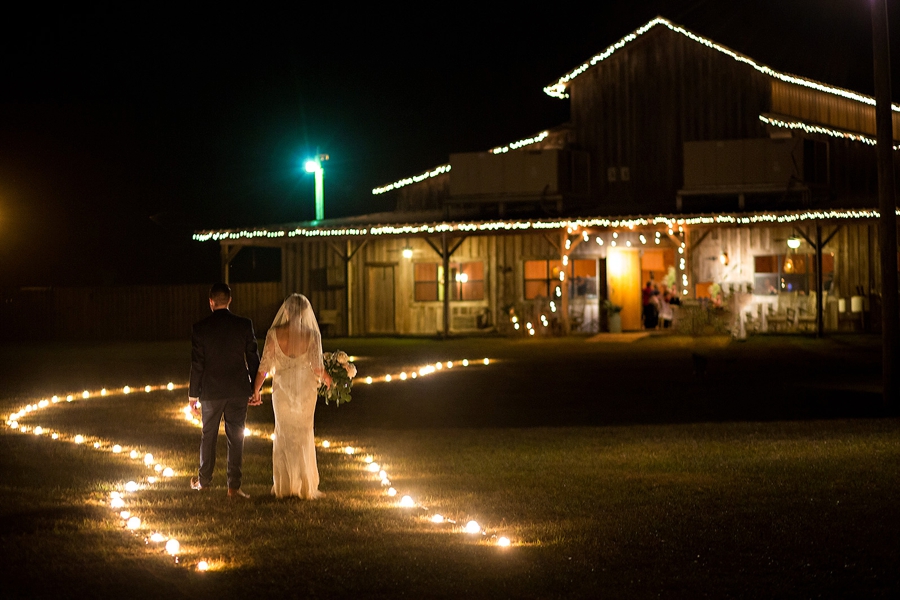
(756, 509)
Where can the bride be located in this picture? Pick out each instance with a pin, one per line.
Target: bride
(293, 357)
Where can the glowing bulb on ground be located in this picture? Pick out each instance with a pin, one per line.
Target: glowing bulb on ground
(85, 394)
(117, 503)
(503, 542)
(373, 467)
(133, 523)
(407, 502)
(126, 390)
(157, 537)
(38, 430)
(148, 459)
(151, 479)
(368, 380)
(103, 392)
(96, 444)
(69, 398)
(369, 458)
(168, 472)
(487, 361)
(326, 444)
(437, 519)
(115, 495)
(79, 439)
(387, 377)
(414, 375)
(385, 481)
(438, 366)
(472, 527)
(125, 514)
(391, 492)
(403, 376)
(147, 388)
(247, 432)
(117, 449)
(133, 454)
(55, 436)
(158, 468)
(383, 474)
(170, 386)
(55, 399)
(202, 565)
(349, 450)
(465, 362)
(173, 547)
(132, 486)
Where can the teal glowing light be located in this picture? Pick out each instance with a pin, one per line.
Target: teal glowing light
(314, 165)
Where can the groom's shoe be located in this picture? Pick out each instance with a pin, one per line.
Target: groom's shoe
(195, 484)
(237, 494)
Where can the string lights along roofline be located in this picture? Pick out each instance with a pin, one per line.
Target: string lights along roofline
(808, 128)
(535, 139)
(558, 89)
(407, 229)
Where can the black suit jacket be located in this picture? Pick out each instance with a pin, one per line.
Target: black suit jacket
(224, 357)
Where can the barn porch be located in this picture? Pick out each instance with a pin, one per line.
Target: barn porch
(386, 275)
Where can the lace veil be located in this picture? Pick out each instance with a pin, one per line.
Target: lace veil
(293, 341)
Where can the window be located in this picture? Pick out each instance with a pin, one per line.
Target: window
(774, 274)
(542, 278)
(428, 282)
(466, 281)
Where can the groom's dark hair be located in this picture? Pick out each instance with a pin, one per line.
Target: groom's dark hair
(220, 293)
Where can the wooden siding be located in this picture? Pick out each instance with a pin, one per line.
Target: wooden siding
(857, 268)
(128, 312)
(637, 108)
(814, 106)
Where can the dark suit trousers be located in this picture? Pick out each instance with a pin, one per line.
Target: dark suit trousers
(235, 413)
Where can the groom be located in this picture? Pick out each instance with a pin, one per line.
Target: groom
(224, 361)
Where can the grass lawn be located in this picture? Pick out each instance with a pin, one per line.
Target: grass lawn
(669, 467)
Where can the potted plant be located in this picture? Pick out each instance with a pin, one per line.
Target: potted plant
(613, 318)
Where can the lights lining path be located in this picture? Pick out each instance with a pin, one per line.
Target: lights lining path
(156, 471)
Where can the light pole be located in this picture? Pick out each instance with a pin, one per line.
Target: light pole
(314, 165)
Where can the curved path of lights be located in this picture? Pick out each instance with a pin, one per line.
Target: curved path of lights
(154, 471)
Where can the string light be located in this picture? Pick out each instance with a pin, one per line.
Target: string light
(558, 89)
(410, 180)
(133, 522)
(856, 137)
(521, 143)
(670, 221)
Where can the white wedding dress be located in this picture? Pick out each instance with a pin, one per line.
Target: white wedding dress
(293, 357)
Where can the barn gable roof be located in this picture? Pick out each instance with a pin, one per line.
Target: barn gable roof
(558, 89)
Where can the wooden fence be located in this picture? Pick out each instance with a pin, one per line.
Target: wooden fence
(141, 312)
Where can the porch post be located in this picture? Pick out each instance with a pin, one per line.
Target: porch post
(820, 285)
(348, 293)
(445, 258)
(564, 284)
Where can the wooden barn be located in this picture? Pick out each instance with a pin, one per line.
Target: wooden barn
(685, 164)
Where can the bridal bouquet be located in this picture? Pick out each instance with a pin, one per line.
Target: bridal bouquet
(342, 371)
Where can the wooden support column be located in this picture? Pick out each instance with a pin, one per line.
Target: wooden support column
(347, 253)
(228, 254)
(820, 285)
(445, 259)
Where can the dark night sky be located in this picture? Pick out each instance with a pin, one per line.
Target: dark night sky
(122, 132)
